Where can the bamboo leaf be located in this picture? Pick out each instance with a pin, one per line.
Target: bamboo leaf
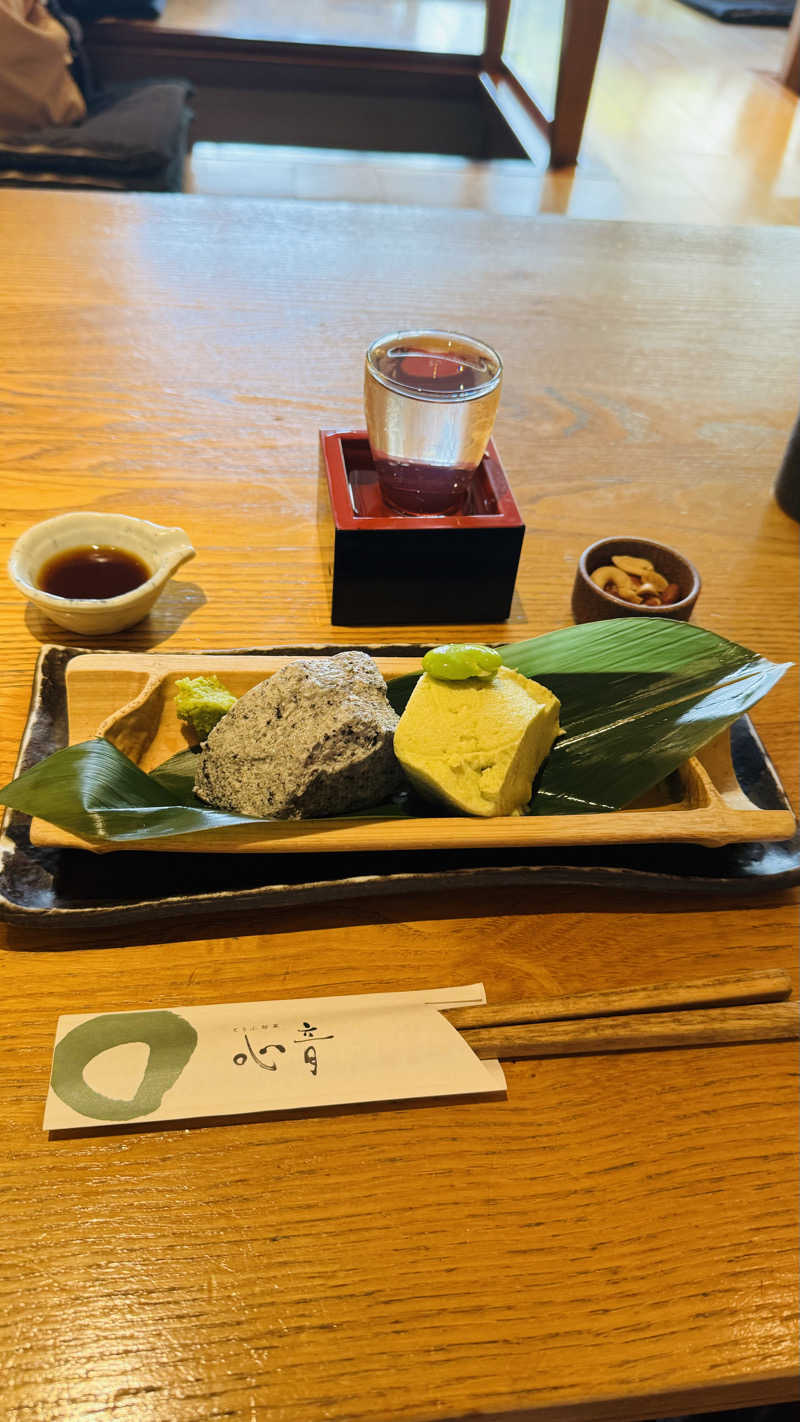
(96, 792)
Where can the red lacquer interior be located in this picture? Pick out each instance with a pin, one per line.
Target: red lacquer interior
(356, 497)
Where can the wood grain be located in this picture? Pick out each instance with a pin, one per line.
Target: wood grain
(616, 1240)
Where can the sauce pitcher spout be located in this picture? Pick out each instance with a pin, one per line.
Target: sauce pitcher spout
(173, 550)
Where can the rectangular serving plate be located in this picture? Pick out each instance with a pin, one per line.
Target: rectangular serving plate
(129, 697)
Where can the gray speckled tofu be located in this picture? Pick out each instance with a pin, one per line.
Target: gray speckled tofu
(314, 739)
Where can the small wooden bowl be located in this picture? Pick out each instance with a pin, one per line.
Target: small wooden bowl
(591, 603)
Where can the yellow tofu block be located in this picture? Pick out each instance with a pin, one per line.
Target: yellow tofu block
(477, 744)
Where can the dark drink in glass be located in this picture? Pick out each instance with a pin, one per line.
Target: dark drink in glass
(430, 401)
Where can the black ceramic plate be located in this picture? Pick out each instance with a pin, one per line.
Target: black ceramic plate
(61, 886)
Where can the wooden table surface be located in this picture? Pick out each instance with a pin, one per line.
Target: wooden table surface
(615, 1240)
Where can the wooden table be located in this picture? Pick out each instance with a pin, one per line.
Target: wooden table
(618, 1238)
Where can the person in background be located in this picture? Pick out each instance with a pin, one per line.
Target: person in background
(38, 87)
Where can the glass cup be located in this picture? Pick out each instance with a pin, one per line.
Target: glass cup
(430, 398)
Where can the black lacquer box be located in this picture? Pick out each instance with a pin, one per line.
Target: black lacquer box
(404, 569)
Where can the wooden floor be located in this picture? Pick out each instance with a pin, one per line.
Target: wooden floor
(687, 121)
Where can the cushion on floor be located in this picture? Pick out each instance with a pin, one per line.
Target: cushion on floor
(745, 12)
(134, 135)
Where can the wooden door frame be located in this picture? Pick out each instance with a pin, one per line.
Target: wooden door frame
(790, 69)
(581, 36)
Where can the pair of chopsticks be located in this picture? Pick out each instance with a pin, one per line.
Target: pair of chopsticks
(741, 1007)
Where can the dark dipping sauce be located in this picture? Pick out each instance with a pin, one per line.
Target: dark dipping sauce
(92, 572)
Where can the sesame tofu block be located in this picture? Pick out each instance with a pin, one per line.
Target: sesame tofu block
(315, 739)
(477, 744)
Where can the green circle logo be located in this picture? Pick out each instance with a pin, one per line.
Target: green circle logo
(170, 1038)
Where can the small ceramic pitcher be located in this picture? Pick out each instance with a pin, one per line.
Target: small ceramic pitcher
(162, 550)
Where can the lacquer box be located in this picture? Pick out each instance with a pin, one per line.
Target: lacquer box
(398, 568)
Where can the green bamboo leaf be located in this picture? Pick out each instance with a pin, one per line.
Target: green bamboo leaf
(638, 697)
(96, 792)
(399, 689)
(176, 776)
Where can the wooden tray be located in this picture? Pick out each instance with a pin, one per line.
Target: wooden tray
(130, 698)
(66, 890)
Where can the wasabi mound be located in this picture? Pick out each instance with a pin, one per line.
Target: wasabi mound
(202, 701)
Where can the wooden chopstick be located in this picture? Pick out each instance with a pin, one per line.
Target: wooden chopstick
(735, 1007)
(714, 1026)
(764, 985)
